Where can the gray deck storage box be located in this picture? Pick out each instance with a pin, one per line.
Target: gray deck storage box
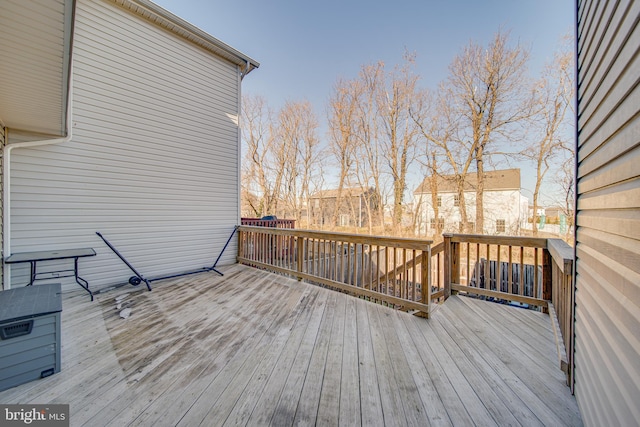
(29, 334)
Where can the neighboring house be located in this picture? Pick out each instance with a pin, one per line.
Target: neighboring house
(505, 208)
(117, 116)
(607, 294)
(553, 212)
(357, 208)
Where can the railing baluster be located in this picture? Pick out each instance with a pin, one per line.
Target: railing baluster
(355, 262)
(370, 266)
(414, 278)
(487, 268)
(403, 274)
(521, 278)
(386, 269)
(362, 269)
(438, 269)
(477, 265)
(510, 271)
(535, 273)
(334, 244)
(468, 278)
(349, 264)
(377, 287)
(498, 270)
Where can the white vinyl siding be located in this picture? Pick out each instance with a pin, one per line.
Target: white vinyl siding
(498, 205)
(33, 64)
(607, 341)
(153, 162)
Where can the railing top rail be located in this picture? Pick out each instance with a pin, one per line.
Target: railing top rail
(437, 248)
(254, 221)
(399, 242)
(562, 254)
(530, 242)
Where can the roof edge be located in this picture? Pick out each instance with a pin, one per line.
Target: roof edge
(173, 23)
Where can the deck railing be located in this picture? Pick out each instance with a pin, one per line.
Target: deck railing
(504, 268)
(562, 302)
(388, 270)
(521, 270)
(277, 223)
(437, 272)
(409, 274)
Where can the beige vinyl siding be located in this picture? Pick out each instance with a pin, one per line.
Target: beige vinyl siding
(153, 162)
(607, 337)
(2, 143)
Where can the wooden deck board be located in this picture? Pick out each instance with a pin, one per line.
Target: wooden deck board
(443, 386)
(225, 388)
(425, 385)
(370, 404)
(350, 383)
(412, 404)
(288, 399)
(466, 394)
(307, 410)
(388, 387)
(329, 405)
(226, 356)
(528, 409)
(489, 384)
(254, 348)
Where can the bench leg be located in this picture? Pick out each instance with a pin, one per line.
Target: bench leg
(79, 280)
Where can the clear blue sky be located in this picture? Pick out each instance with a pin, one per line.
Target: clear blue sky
(304, 46)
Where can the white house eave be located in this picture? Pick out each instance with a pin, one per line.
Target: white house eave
(35, 63)
(165, 19)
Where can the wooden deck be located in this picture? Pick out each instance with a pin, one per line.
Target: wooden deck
(254, 348)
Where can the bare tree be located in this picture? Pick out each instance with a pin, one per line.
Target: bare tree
(553, 95)
(296, 154)
(343, 123)
(368, 167)
(566, 180)
(398, 136)
(261, 180)
(281, 163)
(489, 87)
(373, 136)
(439, 128)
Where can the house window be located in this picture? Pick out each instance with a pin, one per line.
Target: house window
(317, 203)
(439, 201)
(344, 220)
(501, 226)
(456, 200)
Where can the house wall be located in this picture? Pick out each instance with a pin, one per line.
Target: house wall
(503, 204)
(153, 162)
(352, 212)
(2, 143)
(33, 64)
(322, 211)
(607, 308)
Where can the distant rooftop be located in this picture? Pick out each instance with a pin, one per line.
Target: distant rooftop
(333, 193)
(506, 179)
